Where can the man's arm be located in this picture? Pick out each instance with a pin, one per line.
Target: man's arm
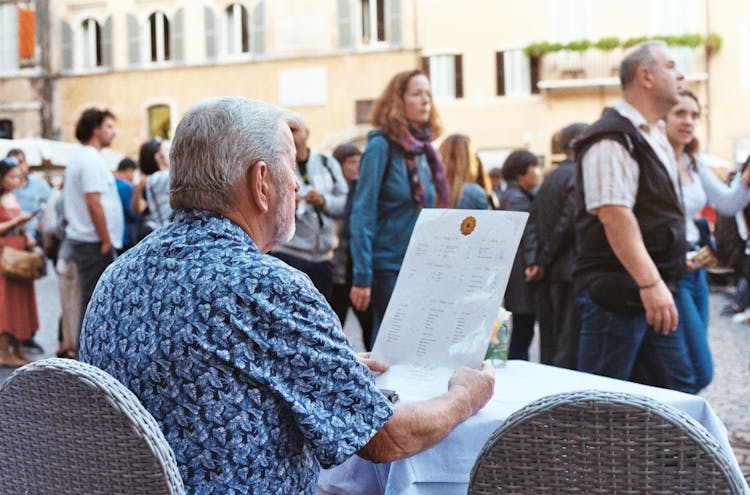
(96, 212)
(624, 236)
(417, 426)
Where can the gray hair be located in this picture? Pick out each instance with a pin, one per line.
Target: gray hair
(638, 56)
(215, 144)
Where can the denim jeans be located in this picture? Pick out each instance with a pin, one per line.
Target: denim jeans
(383, 283)
(628, 348)
(692, 306)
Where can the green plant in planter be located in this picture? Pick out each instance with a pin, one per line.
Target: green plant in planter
(578, 46)
(713, 42)
(607, 44)
(630, 42)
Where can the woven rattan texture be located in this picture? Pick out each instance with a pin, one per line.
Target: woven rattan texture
(70, 428)
(602, 443)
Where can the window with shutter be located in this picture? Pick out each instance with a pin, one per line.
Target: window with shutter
(134, 41)
(91, 44)
(372, 15)
(178, 36)
(236, 31)
(513, 70)
(106, 43)
(344, 12)
(446, 75)
(159, 37)
(258, 44)
(209, 19)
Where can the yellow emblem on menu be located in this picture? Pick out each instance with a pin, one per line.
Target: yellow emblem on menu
(468, 225)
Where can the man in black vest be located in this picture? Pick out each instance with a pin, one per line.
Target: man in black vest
(630, 231)
(554, 215)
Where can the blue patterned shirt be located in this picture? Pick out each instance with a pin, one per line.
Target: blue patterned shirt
(237, 356)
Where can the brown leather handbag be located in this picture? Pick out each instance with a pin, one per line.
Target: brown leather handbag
(19, 264)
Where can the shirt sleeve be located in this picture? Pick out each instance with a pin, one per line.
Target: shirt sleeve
(94, 179)
(610, 176)
(728, 200)
(331, 395)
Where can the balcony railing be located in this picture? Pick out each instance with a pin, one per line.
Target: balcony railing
(593, 67)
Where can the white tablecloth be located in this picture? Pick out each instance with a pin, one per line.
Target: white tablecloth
(444, 469)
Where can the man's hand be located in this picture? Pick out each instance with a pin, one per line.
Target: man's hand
(534, 273)
(360, 297)
(478, 384)
(106, 247)
(374, 365)
(315, 198)
(661, 312)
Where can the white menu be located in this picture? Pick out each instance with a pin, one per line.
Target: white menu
(446, 298)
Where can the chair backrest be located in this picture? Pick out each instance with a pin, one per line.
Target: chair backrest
(597, 442)
(71, 428)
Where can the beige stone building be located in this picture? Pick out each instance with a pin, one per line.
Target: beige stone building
(149, 60)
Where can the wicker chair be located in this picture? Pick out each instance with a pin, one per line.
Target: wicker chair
(596, 442)
(70, 428)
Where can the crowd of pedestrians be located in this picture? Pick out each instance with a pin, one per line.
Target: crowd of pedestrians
(606, 268)
(216, 285)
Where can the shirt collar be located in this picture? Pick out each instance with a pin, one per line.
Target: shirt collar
(635, 117)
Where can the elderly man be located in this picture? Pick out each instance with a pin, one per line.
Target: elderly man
(630, 231)
(236, 354)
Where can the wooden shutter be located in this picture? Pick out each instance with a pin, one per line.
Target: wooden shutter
(258, 44)
(534, 66)
(66, 46)
(26, 33)
(394, 22)
(107, 43)
(134, 41)
(344, 13)
(426, 66)
(500, 73)
(209, 22)
(178, 36)
(458, 67)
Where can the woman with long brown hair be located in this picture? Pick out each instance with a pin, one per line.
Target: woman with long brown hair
(699, 186)
(468, 180)
(18, 315)
(400, 173)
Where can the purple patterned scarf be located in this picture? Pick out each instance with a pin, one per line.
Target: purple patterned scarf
(413, 143)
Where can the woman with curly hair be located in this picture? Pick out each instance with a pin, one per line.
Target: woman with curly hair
(400, 173)
(468, 180)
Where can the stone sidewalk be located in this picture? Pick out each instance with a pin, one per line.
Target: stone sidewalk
(729, 394)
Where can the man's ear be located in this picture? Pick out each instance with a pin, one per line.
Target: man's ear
(645, 77)
(259, 184)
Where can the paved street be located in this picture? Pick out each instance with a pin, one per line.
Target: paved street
(729, 394)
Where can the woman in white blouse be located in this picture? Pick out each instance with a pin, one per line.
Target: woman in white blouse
(700, 186)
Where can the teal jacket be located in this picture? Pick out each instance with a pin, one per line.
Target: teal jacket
(384, 212)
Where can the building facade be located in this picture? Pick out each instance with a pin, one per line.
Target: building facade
(149, 60)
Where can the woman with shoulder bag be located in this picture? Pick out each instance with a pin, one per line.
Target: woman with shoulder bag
(18, 314)
(400, 173)
(699, 186)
